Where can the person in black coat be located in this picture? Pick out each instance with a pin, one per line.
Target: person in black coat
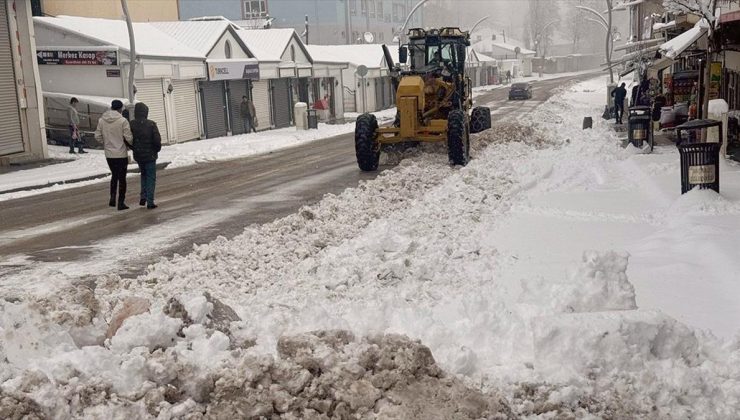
(147, 144)
(619, 95)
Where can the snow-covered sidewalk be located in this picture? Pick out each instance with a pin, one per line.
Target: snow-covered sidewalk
(560, 274)
(82, 167)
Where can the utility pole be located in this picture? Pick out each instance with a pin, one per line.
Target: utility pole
(306, 29)
(132, 53)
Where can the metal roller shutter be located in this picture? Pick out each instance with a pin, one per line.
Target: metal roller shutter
(261, 99)
(281, 104)
(237, 89)
(214, 108)
(348, 99)
(150, 92)
(378, 93)
(11, 136)
(186, 109)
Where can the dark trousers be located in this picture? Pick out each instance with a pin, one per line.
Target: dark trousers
(118, 168)
(148, 181)
(619, 110)
(74, 142)
(248, 124)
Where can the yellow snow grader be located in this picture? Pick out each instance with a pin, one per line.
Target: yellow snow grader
(433, 98)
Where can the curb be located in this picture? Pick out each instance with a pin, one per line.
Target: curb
(135, 170)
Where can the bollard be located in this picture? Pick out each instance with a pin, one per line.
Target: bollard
(588, 122)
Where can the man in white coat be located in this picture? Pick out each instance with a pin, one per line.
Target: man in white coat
(115, 134)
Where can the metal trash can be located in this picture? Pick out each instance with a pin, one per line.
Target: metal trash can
(640, 127)
(313, 119)
(699, 154)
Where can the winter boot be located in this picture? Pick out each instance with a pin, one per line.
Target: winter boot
(112, 201)
(121, 204)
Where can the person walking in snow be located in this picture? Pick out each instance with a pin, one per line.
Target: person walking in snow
(73, 118)
(147, 144)
(247, 112)
(115, 133)
(619, 94)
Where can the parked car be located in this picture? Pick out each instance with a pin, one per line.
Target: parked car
(520, 91)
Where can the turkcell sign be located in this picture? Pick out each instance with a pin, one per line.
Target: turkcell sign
(231, 70)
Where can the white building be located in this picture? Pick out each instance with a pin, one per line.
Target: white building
(370, 93)
(285, 67)
(90, 57)
(480, 68)
(511, 57)
(232, 71)
(21, 114)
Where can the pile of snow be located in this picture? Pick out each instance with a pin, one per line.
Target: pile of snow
(438, 254)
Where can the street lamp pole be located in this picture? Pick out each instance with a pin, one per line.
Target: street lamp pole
(607, 24)
(132, 53)
(475, 25)
(406, 22)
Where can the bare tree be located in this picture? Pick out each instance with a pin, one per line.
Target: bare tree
(541, 25)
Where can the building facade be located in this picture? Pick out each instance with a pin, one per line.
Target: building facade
(341, 21)
(21, 114)
(140, 10)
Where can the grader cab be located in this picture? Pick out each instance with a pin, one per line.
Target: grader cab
(433, 99)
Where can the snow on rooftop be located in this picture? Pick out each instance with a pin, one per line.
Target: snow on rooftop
(200, 35)
(679, 44)
(369, 55)
(115, 32)
(267, 44)
(512, 48)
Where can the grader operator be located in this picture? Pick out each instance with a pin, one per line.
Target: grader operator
(433, 99)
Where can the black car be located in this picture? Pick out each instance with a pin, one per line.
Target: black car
(520, 91)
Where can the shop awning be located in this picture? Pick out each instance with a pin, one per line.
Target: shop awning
(673, 48)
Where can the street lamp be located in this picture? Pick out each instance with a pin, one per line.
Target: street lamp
(607, 24)
(475, 25)
(400, 32)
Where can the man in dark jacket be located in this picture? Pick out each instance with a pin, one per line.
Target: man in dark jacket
(619, 94)
(247, 112)
(147, 144)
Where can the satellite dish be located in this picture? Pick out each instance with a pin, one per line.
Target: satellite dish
(361, 70)
(368, 37)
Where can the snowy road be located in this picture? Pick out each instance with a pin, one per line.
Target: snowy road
(558, 275)
(74, 233)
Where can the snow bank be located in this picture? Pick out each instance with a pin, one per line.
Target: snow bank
(473, 262)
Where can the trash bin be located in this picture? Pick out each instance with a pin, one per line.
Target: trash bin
(299, 115)
(313, 119)
(699, 154)
(640, 127)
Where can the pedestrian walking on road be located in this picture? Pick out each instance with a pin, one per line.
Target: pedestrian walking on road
(115, 134)
(73, 118)
(147, 144)
(247, 112)
(619, 94)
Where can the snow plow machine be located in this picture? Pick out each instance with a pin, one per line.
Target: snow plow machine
(433, 99)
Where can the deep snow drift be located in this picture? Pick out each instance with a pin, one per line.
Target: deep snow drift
(516, 272)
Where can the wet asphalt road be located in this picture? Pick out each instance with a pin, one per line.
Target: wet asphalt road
(213, 199)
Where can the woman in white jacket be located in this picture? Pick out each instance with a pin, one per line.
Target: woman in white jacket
(115, 134)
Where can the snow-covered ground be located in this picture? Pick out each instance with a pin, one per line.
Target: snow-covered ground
(182, 154)
(557, 275)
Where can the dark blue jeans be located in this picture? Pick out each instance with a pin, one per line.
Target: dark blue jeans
(75, 142)
(148, 180)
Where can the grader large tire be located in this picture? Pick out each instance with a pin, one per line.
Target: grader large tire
(458, 138)
(480, 119)
(366, 149)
